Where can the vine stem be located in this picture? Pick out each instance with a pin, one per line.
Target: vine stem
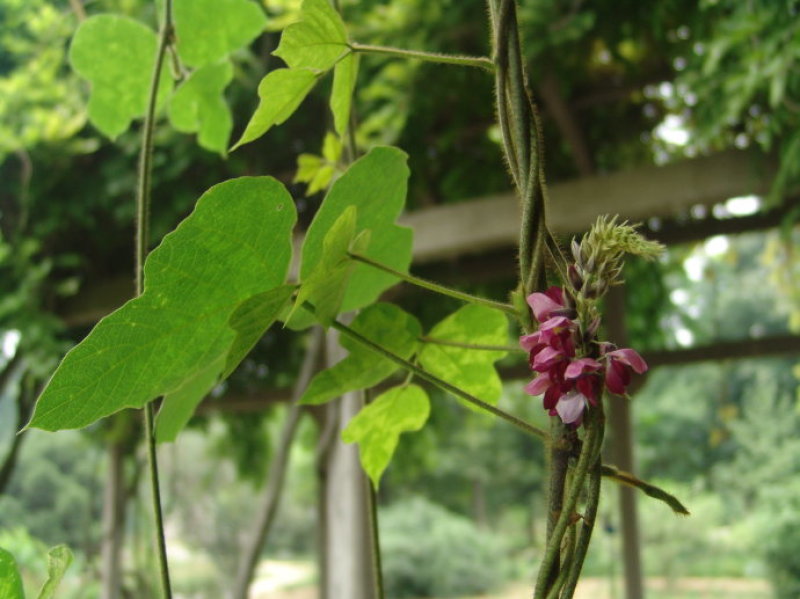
(433, 379)
(475, 346)
(480, 62)
(435, 287)
(144, 183)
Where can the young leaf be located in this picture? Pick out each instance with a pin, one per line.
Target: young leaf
(376, 185)
(385, 324)
(199, 106)
(251, 320)
(317, 41)
(236, 244)
(345, 74)
(471, 370)
(281, 92)
(10, 580)
(208, 30)
(324, 287)
(116, 55)
(58, 560)
(377, 427)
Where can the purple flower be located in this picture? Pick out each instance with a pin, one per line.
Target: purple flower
(544, 304)
(570, 407)
(619, 364)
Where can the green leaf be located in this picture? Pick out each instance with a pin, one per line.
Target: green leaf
(208, 30)
(198, 105)
(331, 148)
(313, 170)
(317, 41)
(281, 92)
(386, 325)
(377, 427)
(236, 244)
(376, 186)
(10, 581)
(116, 55)
(345, 74)
(59, 559)
(324, 288)
(179, 405)
(470, 369)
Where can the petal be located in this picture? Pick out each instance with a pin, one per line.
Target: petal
(615, 378)
(546, 358)
(631, 358)
(550, 399)
(528, 342)
(590, 387)
(581, 366)
(542, 306)
(556, 294)
(556, 322)
(570, 407)
(538, 385)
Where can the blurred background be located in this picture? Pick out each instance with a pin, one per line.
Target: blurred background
(683, 115)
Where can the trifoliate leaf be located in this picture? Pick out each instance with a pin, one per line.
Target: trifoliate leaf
(116, 55)
(377, 427)
(384, 324)
(317, 41)
(59, 559)
(345, 74)
(376, 185)
(10, 580)
(315, 171)
(209, 30)
(235, 245)
(198, 106)
(470, 369)
(281, 92)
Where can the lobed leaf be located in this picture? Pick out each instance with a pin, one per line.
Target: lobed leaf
(235, 245)
(281, 92)
(378, 426)
(317, 41)
(471, 370)
(386, 325)
(198, 106)
(376, 185)
(209, 30)
(10, 580)
(116, 55)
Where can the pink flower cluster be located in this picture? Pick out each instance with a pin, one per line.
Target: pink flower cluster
(570, 384)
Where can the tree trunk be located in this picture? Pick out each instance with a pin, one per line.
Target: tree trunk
(270, 500)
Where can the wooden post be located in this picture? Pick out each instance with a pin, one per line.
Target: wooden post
(346, 542)
(621, 454)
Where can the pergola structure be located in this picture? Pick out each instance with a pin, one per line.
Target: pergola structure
(480, 236)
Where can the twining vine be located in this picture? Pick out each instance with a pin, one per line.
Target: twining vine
(194, 319)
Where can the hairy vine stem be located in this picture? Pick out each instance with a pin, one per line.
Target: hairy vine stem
(480, 62)
(144, 184)
(435, 287)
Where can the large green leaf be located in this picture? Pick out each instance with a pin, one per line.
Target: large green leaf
(281, 92)
(199, 106)
(376, 185)
(317, 41)
(470, 369)
(10, 581)
(377, 427)
(345, 74)
(58, 560)
(208, 30)
(235, 245)
(386, 325)
(116, 54)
